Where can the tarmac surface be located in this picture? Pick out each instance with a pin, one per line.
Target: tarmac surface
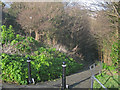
(81, 79)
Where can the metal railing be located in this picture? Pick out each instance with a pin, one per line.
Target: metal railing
(93, 71)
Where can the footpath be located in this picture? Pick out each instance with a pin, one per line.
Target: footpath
(81, 79)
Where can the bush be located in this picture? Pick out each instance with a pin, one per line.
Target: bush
(46, 64)
(7, 34)
(24, 45)
(20, 43)
(14, 69)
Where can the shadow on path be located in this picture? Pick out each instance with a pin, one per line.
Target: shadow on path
(75, 84)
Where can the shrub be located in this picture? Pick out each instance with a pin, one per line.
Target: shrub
(22, 44)
(45, 65)
(7, 34)
(14, 69)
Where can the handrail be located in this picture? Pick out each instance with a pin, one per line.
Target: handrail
(99, 82)
(93, 77)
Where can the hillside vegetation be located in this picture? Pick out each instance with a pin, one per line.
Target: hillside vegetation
(45, 62)
(50, 33)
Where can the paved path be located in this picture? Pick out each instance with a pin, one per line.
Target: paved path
(78, 80)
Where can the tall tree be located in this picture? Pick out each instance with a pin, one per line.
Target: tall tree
(37, 16)
(10, 14)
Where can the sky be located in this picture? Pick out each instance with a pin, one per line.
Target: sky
(91, 4)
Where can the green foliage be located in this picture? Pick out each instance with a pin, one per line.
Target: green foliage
(107, 80)
(114, 55)
(107, 67)
(14, 69)
(7, 34)
(114, 58)
(46, 64)
(24, 45)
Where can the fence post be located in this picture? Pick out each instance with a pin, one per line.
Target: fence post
(29, 71)
(64, 76)
(92, 80)
(92, 74)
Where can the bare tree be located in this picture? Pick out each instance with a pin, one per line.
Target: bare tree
(37, 16)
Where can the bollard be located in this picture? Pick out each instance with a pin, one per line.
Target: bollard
(29, 71)
(64, 76)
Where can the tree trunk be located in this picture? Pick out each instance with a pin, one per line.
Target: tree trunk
(36, 35)
(30, 32)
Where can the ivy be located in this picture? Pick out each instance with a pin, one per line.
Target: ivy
(7, 34)
(44, 66)
(114, 55)
(46, 63)
(114, 58)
